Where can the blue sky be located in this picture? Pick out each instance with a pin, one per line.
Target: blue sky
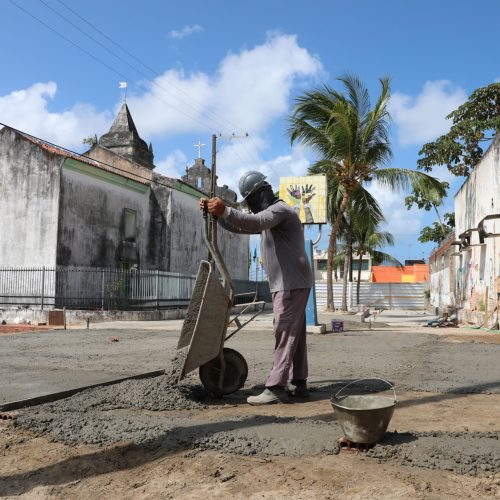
(235, 67)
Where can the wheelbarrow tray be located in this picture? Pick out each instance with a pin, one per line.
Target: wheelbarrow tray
(205, 325)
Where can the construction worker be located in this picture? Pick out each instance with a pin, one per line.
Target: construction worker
(290, 279)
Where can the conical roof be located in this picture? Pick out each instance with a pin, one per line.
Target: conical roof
(124, 122)
(124, 139)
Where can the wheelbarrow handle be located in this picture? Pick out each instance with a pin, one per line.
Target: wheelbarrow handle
(215, 253)
(391, 386)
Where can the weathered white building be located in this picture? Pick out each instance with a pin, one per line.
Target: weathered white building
(442, 276)
(105, 209)
(477, 220)
(465, 271)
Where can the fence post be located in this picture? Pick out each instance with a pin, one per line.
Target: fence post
(102, 289)
(43, 286)
(157, 289)
(390, 295)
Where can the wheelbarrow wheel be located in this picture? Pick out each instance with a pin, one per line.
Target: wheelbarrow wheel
(234, 377)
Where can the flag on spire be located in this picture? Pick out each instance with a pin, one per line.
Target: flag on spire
(122, 85)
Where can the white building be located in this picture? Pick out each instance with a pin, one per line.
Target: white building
(465, 270)
(442, 276)
(320, 264)
(477, 220)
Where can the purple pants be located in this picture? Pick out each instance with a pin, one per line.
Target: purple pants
(289, 325)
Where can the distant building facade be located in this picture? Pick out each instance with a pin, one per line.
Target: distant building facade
(442, 276)
(320, 265)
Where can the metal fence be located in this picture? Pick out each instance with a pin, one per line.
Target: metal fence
(386, 295)
(102, 289)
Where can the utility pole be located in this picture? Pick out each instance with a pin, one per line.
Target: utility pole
(213, 184)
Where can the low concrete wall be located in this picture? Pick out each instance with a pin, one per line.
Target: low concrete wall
(79, 317)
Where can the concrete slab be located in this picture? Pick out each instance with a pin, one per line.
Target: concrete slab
(34, 364)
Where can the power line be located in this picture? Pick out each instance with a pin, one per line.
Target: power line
(156, 73)
(107, 37)
(113, 53)
(117, 72)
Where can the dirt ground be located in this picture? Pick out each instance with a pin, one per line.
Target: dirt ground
(139, 439)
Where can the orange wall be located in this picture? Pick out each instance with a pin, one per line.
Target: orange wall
(416, 273)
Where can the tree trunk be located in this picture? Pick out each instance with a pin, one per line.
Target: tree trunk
(329, 272)
(332, 247)
(347, 267)
(350, 255)
(358, 285)
(443, 229)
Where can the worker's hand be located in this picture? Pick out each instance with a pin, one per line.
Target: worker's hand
(216, 207)
(203, 203)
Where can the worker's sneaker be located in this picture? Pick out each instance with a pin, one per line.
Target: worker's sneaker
(269, 396)
(298, 389)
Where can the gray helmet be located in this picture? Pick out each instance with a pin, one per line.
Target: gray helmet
(250, 182)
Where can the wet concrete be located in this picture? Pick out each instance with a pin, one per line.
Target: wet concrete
(153, 413)
(34, 364)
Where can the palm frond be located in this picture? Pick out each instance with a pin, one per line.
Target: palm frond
(403, 179)
(379, 257)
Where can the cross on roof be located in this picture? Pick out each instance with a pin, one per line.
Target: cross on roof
(199, 146)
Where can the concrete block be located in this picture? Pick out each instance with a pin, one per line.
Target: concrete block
(316, 329)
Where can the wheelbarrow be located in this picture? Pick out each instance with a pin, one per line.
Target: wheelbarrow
(204, 332)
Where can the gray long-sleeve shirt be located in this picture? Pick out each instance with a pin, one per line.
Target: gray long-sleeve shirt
(282, 245)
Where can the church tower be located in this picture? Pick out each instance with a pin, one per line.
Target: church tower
(123, 139)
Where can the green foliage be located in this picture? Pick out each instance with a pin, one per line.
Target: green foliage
(90, 140)
(475, 122)
(438, 232)
(350, 136)
(425, 200)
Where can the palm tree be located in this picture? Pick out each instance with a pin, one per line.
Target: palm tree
(362, 205)
(352, 141)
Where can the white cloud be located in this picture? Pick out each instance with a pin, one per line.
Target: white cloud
(28, 111)
(186, 31)
(239, 156)
(423, 118)
(172, 165)
(249, 90)
(400, 221)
